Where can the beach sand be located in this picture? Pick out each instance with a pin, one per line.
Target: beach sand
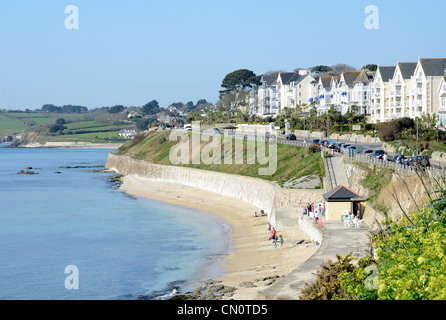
(253, 256)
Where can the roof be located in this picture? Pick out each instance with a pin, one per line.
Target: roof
(326, 81)
(269, 80)
(342, 193)
(363, 77)
(350, 76)
(407, 69)
(386, 72)
(434, 67)
(287, 77)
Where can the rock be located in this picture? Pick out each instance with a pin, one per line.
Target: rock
(247, 284)
(27, 172)
(57, 172)
(28, 168)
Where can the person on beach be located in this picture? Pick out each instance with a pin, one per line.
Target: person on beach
(281, 241)
(273, 234)
(269, 227)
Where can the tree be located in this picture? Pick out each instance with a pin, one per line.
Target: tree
(239, 80)
(342, 67)
(117, 109)
(151, 108)
(143, 123)
(370, 67)
(60, 121)
(321, 68)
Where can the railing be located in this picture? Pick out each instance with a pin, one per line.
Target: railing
(406, 170)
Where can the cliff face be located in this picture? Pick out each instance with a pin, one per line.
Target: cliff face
(260, 193)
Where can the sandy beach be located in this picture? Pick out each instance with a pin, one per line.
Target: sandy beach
(254, 256)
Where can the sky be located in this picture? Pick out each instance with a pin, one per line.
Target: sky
(135, 51)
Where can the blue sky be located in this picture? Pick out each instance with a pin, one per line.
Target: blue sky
(132, 52)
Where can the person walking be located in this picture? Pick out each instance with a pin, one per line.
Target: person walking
(281, 241)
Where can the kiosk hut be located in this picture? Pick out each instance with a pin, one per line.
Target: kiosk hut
(342, 199)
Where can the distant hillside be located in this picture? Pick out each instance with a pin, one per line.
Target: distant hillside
(296, 167)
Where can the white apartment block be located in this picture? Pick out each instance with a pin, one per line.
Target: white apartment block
(412, 91)
(287, 90)
(408, 89)
(442, 99)
(345, 90)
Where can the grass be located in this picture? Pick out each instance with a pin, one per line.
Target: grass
(292, 162)
(10, 126)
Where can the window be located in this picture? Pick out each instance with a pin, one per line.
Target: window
(443, 101)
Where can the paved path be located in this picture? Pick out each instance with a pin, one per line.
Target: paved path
(339, 169)
(337, 239)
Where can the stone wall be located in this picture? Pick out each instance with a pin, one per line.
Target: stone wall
(260, 193)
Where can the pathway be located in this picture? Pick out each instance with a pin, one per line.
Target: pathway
(337, 239)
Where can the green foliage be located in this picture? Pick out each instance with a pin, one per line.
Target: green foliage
(412, 259)
(239, 80)
(150, 108)
(327, 285)
(117, 109)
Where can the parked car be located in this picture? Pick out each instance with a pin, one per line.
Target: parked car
(338, 146)
(354, 148)
(422, 161)
(378, 153)
(344, 147)
(395, 158)
(291, 136)
(411, 161)
(322, 143)
(315, 141)
(367, 152)
(216, 131)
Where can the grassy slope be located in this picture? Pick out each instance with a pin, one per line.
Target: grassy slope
(84, 131)
(10, 125)
(292, 162)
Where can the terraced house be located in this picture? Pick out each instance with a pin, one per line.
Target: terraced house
(408, 89)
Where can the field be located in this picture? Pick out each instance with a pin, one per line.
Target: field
(9, 125)
(80, 127)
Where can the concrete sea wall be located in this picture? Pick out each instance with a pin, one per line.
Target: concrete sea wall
(260, 193)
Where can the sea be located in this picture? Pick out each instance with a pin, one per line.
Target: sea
(71, 234)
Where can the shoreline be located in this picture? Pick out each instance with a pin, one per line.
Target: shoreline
(71, 145)
(253, 263)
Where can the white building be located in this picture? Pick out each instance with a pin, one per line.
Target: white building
(399, 104)
(425, 83)
(262, 98)
(442, 98)
(379, 93)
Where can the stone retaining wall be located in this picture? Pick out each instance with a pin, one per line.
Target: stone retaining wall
(259, 193)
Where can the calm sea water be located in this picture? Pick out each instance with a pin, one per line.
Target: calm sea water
(122, 247)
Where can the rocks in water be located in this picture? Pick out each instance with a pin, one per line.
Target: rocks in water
(27, 172)
(57, 172)
(80, 167)
(210, 290)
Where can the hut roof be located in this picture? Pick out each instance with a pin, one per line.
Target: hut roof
(342, 193)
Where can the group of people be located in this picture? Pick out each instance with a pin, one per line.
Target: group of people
(277, 239)
(262, 214)
(314, 211)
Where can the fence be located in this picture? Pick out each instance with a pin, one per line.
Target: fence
(407, 170)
